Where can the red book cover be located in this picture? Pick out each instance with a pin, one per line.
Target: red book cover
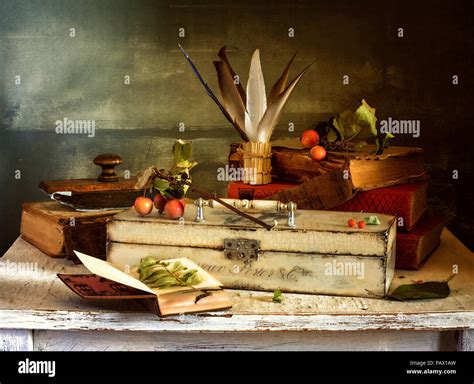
(406, 201)
(413, 248)
(239, 190)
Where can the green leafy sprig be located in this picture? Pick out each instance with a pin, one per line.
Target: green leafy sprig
(351, 131)
(162, 274)
(175, 182)
(277, 296)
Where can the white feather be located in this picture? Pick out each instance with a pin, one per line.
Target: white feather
(256, 98)
(272, 114)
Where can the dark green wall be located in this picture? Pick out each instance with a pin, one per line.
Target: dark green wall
(82, 77)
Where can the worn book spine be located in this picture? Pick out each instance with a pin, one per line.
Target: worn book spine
(42, 231)
(239, 190)
(413, 248)
(57, 230)
(407, 201)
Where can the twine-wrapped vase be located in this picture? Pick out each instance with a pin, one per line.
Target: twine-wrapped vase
(257, 163)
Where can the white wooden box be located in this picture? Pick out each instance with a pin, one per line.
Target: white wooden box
(321, 255)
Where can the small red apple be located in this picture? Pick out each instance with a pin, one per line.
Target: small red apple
(143, 205)
(309, 138)
(317, 153)
(174, 209)
(159, 202)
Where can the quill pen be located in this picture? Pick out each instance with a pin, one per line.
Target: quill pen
(212, 95)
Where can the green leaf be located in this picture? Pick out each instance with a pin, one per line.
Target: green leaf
(277, 296)
(428, 290)
(372, 220)
(161, 184)
(163, 275)
(365, 118)
(360, 125)
(331, 136)
(343, 123)
(181, 151)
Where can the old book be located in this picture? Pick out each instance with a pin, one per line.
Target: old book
(320, 254)
(396, 165)
(407, 201)
(414, 247)
(112, 282)
(239, 190)
(57, 230)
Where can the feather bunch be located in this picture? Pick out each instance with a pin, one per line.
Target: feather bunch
(251, 112)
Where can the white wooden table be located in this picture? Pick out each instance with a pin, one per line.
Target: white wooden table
(38, 312)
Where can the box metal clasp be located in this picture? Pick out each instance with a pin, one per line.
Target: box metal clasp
(241, 249)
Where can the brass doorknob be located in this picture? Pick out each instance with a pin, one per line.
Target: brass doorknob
(108, 161)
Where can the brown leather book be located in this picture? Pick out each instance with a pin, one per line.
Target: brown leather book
(57, 230)
(414, 247)
(396, 165)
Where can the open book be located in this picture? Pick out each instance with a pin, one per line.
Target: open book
(111, 281)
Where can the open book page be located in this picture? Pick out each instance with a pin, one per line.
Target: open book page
(129, 277)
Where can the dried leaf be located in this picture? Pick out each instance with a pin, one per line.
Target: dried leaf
(143, 178)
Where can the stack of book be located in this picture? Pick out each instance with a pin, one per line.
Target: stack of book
(392, 183)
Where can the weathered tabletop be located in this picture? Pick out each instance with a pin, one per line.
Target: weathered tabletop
(40, 301)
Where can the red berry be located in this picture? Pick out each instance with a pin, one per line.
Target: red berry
(143, 205)
(174, 209)
(317, 153)
(351, 223)
(361, 224)
(159, 202)
(309, 138)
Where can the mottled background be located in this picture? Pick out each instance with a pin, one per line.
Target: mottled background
(82, 77)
